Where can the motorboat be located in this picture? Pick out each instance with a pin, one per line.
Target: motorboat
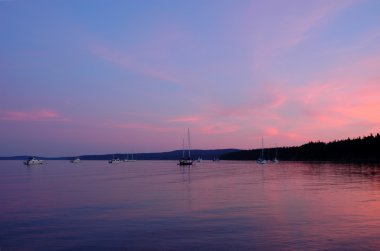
(115, 161)
(76, 160)
(33, 161)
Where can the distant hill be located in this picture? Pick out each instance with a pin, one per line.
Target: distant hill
(362, 149)
(24, 157)
(14, 158)
(173, 155)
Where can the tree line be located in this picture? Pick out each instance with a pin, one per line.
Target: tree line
(361, 149)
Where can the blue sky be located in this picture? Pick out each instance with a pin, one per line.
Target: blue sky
(81, 77)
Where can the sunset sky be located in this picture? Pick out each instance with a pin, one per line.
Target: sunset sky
(92, 77)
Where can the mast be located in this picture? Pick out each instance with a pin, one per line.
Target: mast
(262, 147)
(183, 148)
(188, 139)
(276, 151)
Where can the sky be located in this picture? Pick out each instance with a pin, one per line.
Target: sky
(94, 77)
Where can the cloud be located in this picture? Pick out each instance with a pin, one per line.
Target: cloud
(272, 131)
(185, 119)
(143, 126)
(39, 115)
(299, 28)
(219, 129)
(291, 28)
(128, 62)
(344, 101)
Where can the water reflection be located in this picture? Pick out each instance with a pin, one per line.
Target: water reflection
(159, 205)
(186, 179)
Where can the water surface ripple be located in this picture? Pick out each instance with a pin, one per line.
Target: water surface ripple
(157, 205)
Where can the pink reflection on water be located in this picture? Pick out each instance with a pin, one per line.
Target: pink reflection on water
(295, 205)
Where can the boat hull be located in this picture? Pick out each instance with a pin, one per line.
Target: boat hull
(75, 161)
(185, 162)
(115, 161)
(261, 161)
(33, 162)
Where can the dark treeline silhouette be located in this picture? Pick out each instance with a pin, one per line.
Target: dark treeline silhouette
(362, 149)
(173, 155)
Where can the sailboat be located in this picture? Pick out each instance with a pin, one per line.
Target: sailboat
(115, 160)
(275, 160)
(215, 159)
(261, 160)
(130, 159)
(186, 161)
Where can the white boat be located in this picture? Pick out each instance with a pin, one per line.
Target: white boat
(199, 160)
(262, 160)
(33, 161)
(186, 161)
(115, 160)
(76, 160)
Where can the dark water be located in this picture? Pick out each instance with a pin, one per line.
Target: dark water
(157, 205)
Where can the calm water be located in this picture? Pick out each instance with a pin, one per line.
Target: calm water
(157, 205)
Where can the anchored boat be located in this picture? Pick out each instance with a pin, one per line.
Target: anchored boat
(33, 161)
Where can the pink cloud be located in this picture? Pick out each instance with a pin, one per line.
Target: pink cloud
(219, 129)
(291, 29)
(143, 126)
(39, 115)
(339, 103)
(272, 131)
(344, 101)
(186, 119)
(299, 27)
(129, 63)
(262, 100)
